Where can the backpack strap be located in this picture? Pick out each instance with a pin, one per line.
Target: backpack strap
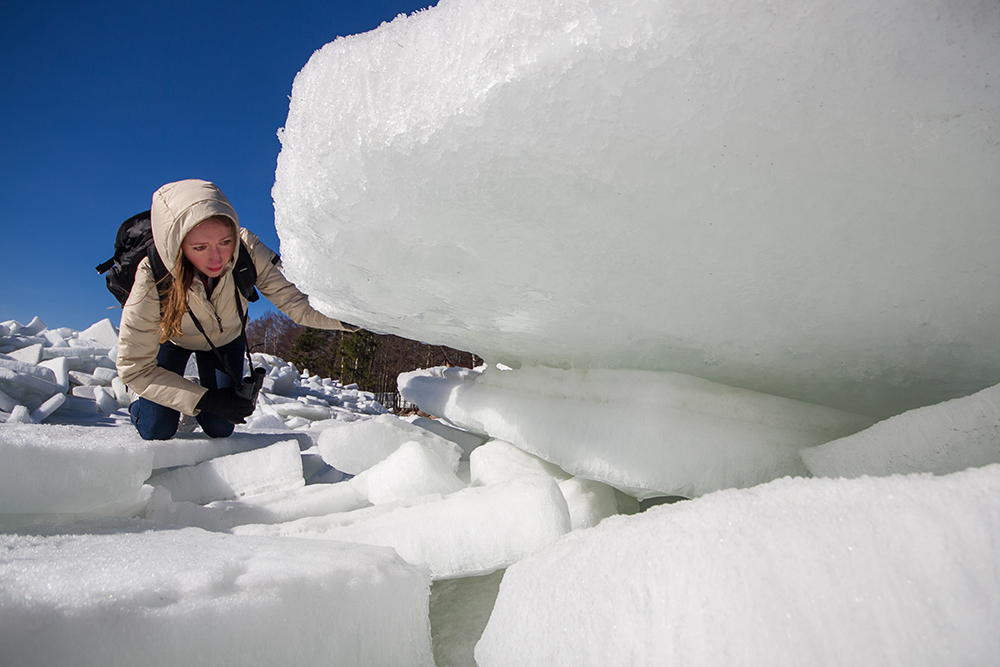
(161, 276)
(245, 274)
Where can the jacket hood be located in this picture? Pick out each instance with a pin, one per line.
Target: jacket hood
(179, 207)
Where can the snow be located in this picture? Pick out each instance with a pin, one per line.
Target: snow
(464, 439)
(897, 570)
(703, 246)
(186, 449)
(779, 571)
(126, 593)
(588, 502)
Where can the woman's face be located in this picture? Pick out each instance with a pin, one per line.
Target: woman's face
(209, 246)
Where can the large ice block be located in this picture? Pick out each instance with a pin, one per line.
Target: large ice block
(104, 333)
(69, 469)
(127, 595)
(646, 433)
(798, 199)
(879, 571)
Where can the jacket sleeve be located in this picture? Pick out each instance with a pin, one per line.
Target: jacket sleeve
(282, 293)
(138, 345)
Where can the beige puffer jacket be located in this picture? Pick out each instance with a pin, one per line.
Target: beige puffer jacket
(177, 209)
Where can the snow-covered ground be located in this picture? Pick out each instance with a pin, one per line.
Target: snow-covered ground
(190, 550)
(326, 530)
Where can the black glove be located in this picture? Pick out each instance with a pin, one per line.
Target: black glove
(225, 403)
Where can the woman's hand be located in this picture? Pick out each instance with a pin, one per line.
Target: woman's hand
(225, 403)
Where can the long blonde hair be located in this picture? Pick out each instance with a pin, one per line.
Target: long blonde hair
(173, 304)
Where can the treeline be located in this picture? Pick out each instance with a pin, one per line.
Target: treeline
(372, 361)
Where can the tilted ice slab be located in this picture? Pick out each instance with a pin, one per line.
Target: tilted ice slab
(888, 571)
(136, 596)
(948, 437)
(469, 532)
(273, 507)
(357, 446)
(70, 469)
(647, 433)
(187, 449)
(794, 198)
(274, 468)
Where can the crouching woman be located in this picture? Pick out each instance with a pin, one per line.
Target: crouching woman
(198, 309)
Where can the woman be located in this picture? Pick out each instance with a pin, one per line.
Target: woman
(198, 237)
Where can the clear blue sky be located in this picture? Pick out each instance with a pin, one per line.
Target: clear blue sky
(103, 102)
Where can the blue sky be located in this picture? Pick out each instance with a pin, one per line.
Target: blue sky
(103, 102)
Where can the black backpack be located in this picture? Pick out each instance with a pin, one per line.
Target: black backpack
(135, 241)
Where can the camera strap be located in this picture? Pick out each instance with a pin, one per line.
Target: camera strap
(223, 363)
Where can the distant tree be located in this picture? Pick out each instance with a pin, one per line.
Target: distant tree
(356, 358)
(316, 350)
(394, 355)
(273, 333)
(372, 361)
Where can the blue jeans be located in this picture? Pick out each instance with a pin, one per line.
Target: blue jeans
(157, 422)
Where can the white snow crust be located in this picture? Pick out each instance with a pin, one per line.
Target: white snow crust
(128, 593)
(895, 570)
(516, 506)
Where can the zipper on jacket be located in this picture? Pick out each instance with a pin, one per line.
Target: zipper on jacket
(219, 320)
